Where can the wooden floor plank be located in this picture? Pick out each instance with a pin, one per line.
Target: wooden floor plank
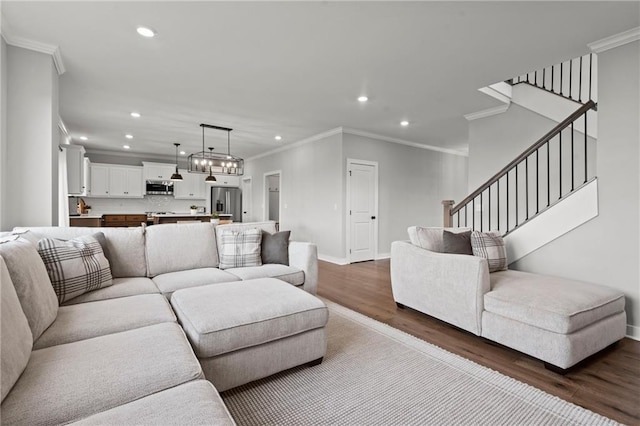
(607, 383)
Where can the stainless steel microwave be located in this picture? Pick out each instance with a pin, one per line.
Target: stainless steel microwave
(159, 187)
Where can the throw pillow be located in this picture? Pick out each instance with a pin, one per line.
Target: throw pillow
(240, 248)
(430, 238)
(275, 247)
(490, 246)
(458, 243)
(75, 266)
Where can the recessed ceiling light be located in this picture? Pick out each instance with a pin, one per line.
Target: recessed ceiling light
(145, 32)
(278, 137)
(135, 114)
(404, 123)
(126, 146)
(363, 99)
(128, 136)
(182, 153)
(84, 138)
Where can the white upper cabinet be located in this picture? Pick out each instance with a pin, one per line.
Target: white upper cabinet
(116, 181)
(226, 180)
(157, 171)
(192, 186)
(76, 184)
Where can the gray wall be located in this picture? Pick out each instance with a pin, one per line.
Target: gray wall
(606, 249)
(311, 192)
(32, 140)
(3, 129)
(412, 184)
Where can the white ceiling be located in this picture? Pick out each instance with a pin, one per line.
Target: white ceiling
(296, 68)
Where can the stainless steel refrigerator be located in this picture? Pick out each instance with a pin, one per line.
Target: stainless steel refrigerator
(227, 201)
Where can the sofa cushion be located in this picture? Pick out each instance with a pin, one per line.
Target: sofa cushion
(490, 246)
(430, 238)
(75, 266)
(172, 281)
(121, 287)
(193, 403)
(179, 247)
(274, 248)
(93, 319)
(126, 246)
(15, 335)
(285, 273)
(69, 382)
(32, 284)
(248, 313)
(240, 248)
(551, 303)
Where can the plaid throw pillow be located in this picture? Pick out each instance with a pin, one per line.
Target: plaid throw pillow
(76, 266)
(490, 246)
(240, 249)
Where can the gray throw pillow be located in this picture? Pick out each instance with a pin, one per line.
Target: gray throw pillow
(459, 243)
(275, 247)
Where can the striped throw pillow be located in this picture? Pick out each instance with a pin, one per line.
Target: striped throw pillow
(75, 266)
(239, 249)
(490, 246)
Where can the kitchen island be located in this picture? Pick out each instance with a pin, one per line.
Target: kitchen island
(159, 218)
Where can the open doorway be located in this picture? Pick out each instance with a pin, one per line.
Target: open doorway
(272, 189)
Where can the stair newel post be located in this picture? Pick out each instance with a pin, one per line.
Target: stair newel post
(446, 213)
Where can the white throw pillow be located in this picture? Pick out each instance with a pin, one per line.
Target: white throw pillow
(490, 245)
(75, 266)
(240, 249)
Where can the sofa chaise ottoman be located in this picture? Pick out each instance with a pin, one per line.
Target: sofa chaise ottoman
(244, 331)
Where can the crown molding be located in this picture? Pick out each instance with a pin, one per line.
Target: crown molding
(311, 139)
(63, 129)
(615, 40)
(357, 132)
(129, 154)
(487, 112)
(36, 46)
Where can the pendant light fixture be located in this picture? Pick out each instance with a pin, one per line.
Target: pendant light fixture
(176, 177)
(211, 178)
(215, 163)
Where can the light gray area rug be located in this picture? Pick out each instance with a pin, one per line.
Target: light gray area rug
(374, 374)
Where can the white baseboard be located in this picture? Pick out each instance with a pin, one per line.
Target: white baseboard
(633, 332)
(383, 256)
(331, 259)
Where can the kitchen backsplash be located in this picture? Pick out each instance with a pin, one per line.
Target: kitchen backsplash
(150, 203)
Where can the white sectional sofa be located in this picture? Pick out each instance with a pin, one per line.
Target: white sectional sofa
(116, 355)
(556, 320)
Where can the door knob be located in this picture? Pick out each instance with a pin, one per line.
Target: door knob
(373, 217)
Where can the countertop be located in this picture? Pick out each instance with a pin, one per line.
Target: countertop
(86, 216)
(181, 215)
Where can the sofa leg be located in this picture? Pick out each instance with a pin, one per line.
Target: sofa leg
(400, 305)
(556, 369)
(315, 362)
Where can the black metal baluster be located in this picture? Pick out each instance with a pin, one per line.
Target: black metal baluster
(561, 67)
(498, 202)
(458, 213)
(517, 199)
(572, 173)
(544, 78)
(548, 179)
(481, 210)
(535, 78)
(489, 227)
(465, 215)
(526, 185)
(553, 89)
(585, 147)
(570, 79)
(580, 82)
(537, 182)
(473, 214)
(507, 202)
(560, 165)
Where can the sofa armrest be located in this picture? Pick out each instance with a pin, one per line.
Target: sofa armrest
(304, 256)
(450, 287)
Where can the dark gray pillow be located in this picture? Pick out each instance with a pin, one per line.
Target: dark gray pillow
(275, 247)
(458, 243)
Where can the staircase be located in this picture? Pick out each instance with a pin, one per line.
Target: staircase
(552, 181)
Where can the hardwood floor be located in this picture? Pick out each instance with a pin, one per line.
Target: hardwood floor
(607, 383)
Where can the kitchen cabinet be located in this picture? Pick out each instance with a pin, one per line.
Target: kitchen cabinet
(124, 220)
(192, 187)
(227, 181)
(157, 171)
(76, 184)
(116, 181)
(87, 221)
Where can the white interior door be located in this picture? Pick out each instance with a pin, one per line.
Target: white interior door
(363, 205)
(247, 200)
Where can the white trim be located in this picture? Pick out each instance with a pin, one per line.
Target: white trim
(129, 154)
(357, 132)
(335, 260)
(615, 40)
(487, 112)
(247, 180)
(375, 166)
(265, 196)
(382, 256)
(633, 332)
(63, 129)
(36, 46)
(310, 139)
